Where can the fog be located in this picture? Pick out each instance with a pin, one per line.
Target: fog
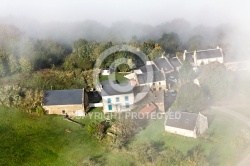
(113, 20)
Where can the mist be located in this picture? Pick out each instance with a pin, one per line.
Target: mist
(122, 21)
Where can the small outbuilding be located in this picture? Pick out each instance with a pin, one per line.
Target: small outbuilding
(187, 124)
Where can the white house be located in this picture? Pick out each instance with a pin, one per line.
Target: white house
(202, 57)
(117, 97)
(186, 124)
(105, 72)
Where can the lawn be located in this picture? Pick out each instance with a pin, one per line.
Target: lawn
(32, 140)
(222, 141)
(119, 77)
(51, 140)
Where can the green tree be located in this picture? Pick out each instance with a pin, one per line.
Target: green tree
(190, 97)
(170, 156)
(197, 154)
(25, 64)
(186, 73)
(170, 42)
(217, 79)
(195, 43)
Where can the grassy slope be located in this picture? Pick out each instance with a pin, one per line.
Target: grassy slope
(32, 140)
(221, 148)
(27, 139)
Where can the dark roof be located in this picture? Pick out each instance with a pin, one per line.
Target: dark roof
(163, 63)
(116, 89)
(205, 54)
(148, 68)
(168, 100)
(144, 97)
(63, 97)
(186, 120)
(150, 77)
(175, 62)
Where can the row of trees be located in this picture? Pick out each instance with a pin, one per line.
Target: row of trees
(213, 82)
(18, 53)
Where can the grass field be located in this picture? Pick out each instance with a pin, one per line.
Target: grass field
(27, 139)
(50, 140)
(222, 141)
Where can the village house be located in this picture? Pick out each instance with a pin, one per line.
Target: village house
(144, 95)
(186, 124)
(62, 102)
(164, 65)
(117, 97)
(202, 57)
(156, 80)
(176, 63)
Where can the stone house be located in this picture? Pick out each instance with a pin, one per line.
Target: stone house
(62, 102)
(186, 124)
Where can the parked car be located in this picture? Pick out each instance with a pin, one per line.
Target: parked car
(171, 78)
(171, 92)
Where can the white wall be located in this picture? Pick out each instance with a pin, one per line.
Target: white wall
(206, 61)
(183, 132)
(118, 106)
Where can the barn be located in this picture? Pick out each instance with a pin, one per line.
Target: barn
(186, 124)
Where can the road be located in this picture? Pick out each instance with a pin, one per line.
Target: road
(246, 160)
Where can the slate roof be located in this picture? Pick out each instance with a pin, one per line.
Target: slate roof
(186, 121)
(63, 97)
(116, 89)
(146, 96)
(163, 63)
(175, 62)
(148, 68)
(150, 77)
(206, 54)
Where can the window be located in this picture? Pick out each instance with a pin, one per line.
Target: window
(127, 105)
(159, 83)
(126, 98)
(63, 111)
(153, 83)
(109, 100)
(160, 88)
(110, 107)
(117, 99)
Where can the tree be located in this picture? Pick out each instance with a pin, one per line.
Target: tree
(186, 73)
(195, 43)
(170, 42)
(190, 97)
(197, 155)
(146, 153)
(4, 63)
(124, 129)
(14, 65)
(169, 156)
(25, 64)
(217, 79)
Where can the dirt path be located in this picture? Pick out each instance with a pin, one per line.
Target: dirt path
(246, 159)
